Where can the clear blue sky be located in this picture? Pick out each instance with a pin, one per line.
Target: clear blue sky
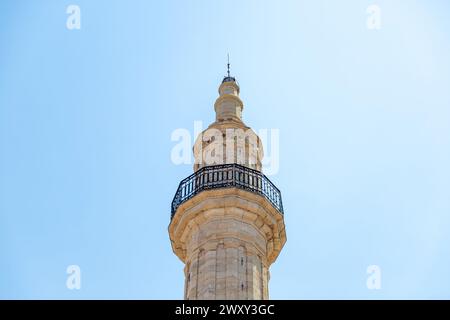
(86, 117)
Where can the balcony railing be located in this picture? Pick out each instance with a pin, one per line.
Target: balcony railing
(226, 176)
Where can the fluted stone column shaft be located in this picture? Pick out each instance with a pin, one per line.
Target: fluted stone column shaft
(226, 266)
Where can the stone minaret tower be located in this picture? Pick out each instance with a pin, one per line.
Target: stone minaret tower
(227, 217)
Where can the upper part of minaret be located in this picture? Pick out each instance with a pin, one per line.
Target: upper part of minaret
(228, 140)
(227, 222)
(228, 105)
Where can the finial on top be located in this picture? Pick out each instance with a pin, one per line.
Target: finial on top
(228, 77)
(228, 65)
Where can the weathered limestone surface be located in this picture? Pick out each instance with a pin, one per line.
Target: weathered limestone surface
(228, 238)
(228, 137)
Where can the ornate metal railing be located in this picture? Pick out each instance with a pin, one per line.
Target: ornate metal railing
(226, 176)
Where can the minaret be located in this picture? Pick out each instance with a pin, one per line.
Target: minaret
(227, 221)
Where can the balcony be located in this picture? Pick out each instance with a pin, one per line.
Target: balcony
(227, 176)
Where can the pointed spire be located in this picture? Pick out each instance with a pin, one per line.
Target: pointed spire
(228, 105)
(228, 77)
(228, 65)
